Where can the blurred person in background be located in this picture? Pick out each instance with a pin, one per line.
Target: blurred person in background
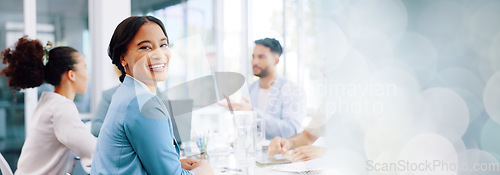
(102, 108)
(56, 132)
(281, 103)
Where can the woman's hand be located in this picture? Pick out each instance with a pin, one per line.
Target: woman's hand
(188, 163)
(202, 167)
(242, 106)
(279, 146)
(305, 153)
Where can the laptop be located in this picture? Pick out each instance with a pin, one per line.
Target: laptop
(181, 114)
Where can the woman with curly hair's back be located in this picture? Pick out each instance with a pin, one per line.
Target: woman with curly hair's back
(56, 132)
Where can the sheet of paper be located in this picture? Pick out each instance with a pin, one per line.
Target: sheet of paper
(312, 167)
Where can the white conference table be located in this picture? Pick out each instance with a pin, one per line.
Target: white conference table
(226, 162)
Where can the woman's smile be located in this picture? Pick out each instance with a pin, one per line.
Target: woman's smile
(157, 67)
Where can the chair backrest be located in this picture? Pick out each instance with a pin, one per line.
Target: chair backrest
(4, 166)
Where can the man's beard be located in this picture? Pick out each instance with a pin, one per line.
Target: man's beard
(263, 73)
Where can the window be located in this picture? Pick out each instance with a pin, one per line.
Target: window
(11, 106)
(190, 28)
(65, 23)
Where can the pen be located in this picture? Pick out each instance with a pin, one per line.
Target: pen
(232, 169)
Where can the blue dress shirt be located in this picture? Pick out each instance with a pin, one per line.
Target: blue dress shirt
(286, 108)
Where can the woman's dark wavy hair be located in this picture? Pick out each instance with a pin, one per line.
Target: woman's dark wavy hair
(124, 33)
(25, 67)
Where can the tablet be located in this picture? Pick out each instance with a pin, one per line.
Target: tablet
(265, 159)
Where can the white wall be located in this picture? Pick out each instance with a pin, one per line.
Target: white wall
(104, 16)
(30, 95)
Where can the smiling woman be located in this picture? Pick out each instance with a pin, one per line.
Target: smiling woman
(147, 55)
(136, 136)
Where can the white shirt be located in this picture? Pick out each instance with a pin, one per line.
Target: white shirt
(55, 134)
(141, 83)
(263, 99)
(316, 126)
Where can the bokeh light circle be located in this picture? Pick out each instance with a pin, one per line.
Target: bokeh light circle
(489, 138)
(420, 54)
(447, 113)
(491, 97)
(428, 147)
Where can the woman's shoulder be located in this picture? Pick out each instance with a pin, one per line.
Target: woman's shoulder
(56, 101)
(151, 117)
(147, 113)
(148, 106)
(55, 106)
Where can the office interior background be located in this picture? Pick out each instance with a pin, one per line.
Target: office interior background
(396, 75)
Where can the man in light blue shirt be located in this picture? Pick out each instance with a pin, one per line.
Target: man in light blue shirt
(279, 102)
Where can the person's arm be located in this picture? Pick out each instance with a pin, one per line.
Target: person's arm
(302, 139)
(196, 166)
(72, 133)
(300, 144)
(150, 134)
(202, 167)
(302, 148)
(237, 106)
(305, 153)
(281, 146)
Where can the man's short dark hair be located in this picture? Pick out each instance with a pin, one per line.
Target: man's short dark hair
(272, 43)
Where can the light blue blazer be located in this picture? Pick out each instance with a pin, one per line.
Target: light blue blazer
(136, 136)
(286, 108)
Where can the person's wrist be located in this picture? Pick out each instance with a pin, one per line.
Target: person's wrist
(248, 107)
(291, 143)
